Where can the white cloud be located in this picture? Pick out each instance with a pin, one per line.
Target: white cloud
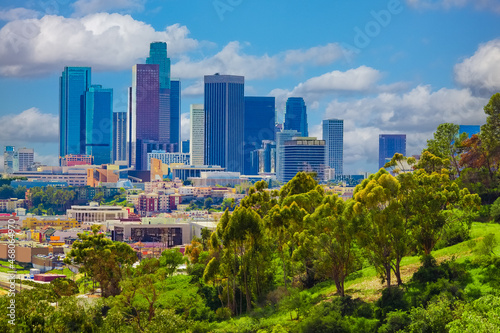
(358, 80)
(47, 159)
(29, 126)
(481, 72)
(84, 7)
(490, 5)
(232, 60)
(18, 14)
(416, 113)
(319, 55)
(185, 126)
(103, 41)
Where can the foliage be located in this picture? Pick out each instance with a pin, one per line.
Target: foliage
(102, 259)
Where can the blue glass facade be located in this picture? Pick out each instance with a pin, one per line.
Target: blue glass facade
(390, 144)
(158, 56)
(281, 138)
(99, 124)
(224, 119)
(260, 122)
(296, 116)
(175, 115)
(333, 134)
(119, 136)
(73, 84)
(303, 154)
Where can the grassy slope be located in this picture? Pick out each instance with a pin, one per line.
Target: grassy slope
(366, 285)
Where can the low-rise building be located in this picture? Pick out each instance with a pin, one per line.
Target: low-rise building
(62, 224)
(96, 213)
(10, 205)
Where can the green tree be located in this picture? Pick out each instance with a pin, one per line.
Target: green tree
(495, 210)
(208, 203)
(434, 198)
(6, 192)
(171, 259)
(334, 237)
(381, 226)
(447, 144)
(102, 259)
(98, 197)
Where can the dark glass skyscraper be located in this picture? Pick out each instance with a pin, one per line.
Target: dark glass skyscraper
(259, 125)
(175, 115)
(73, 84)
(98, 125)
(159, 106)
(390, 144)
(333, 134)
(120, 136)
(143, 111)
(224, 118)
(296, 116)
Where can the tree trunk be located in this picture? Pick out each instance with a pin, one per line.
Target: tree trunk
(388, 274)
(247, 291)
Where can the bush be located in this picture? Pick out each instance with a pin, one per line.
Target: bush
(395, 321)
(223, 314)
(433, 319)
(453, 233)
(495, 210)
(392, 299)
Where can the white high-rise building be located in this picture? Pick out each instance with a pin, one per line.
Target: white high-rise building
(333, 134)
(26, 157)
(197, 136)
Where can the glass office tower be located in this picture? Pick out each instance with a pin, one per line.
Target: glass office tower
(73, 84)
(119, 136)
(260, 121)
(99, 125)
(390, 144)
(296, 116)
(333, 134)
(303, 154)
(224, 119)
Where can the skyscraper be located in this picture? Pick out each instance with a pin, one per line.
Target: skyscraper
(197, 136)
(169, 97)
(390, 144)
(99, 125)
(154, 108)
(260, 119)
(175, 115)
(143, 112)
(281, 138)
(158, 56)
(10, 160)
(26, 158)
(333, 134)
(296, 116)
(74, 83)
(120, 136)
(224, 118)
(303, 154)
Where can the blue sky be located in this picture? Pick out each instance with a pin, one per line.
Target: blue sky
(395, 66)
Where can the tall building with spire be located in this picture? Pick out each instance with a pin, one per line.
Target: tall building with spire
(154, 108)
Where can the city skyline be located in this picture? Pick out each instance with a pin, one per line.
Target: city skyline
(364, 63)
